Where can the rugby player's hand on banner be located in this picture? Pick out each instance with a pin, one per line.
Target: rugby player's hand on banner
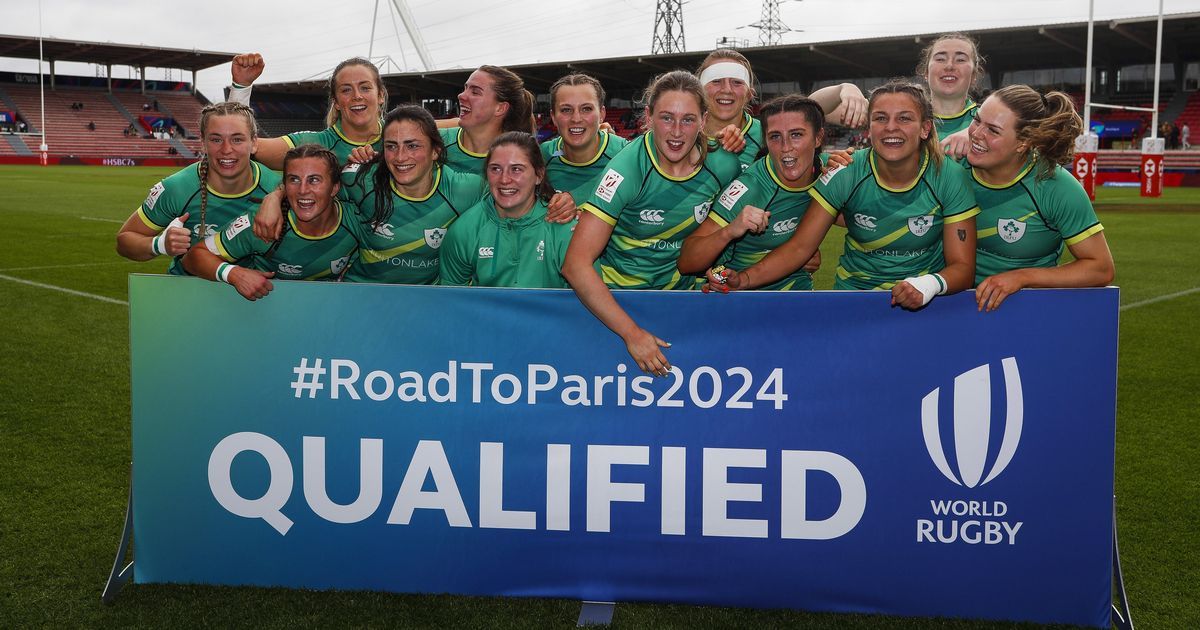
(251, 283)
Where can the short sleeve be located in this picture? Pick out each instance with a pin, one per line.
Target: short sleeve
(956, 194)
(745, 191)
(158, 209)
(236, 240)
(618, 187)
(1069, 211)
(833, 188)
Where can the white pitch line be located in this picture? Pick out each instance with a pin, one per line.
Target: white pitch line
(92, 264)
(100, 219)
(63, 290)
(1161, 298)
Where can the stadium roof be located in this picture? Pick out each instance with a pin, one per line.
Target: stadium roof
(136, 56)
(1117, 43)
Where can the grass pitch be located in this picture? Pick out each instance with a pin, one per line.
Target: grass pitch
(65, 444)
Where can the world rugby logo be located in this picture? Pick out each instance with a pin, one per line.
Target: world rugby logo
(972, 424)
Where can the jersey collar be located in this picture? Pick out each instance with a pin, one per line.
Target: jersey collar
(969, 106)
(920, 173)
(1029, 164)
(253, 184)
(649, 143)
(779, 182)
(562, 156)
(337, 206)
(437, 180)
(458, 143)
(337, 128)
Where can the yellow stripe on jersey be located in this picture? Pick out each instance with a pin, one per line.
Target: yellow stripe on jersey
(674, 280)
(437, 181)
(337, 128)
(718, 219)
(257, 173)
(816, 194)
(624, 242)
(969, 105)
(599, 214)
(1084, 235)
(291, 217)
(141, 213)
(221, 251)
(374, 256)
(961, 216)
(993, 230)
(879, 242)
(603, 146)
(650, 151)
(612, 276)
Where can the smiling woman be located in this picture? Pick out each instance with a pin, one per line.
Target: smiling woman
(316, 247)
(909, 216)
(952, 67)
(494, 100)
(357, 96)
(187, 206)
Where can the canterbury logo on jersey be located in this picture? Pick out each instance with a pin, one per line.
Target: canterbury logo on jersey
(864, 221)
(788, 225)
(487, 252)
(609, 184)
(155, 193)
(652, 216)
(384, 230)
(290, 270)
(200, 231)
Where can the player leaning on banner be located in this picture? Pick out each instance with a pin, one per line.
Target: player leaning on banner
(401, 202)
(728, 82)
(505, 240)
(952, 66)
(1031, 206)
(761, 210)
(190, 204)
(314, 246)
(654, 193)
(910, 216)
(357, 97)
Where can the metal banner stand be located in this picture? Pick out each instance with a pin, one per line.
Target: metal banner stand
(1122, 618)
(119, 577)
(595, 614)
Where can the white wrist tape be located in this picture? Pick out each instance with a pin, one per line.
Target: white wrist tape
(223, 272)
(725, 70)
(158, 244)
(239, 94)
(930, 285)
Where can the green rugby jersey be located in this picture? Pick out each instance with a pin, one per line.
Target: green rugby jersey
(752, 131)
(405, 248)
(651, 213)
(180, 192)
(333, 139)
(579, 179)
(294, 256)
(893, 234)
(760, 187)
(955, 123)
(485, 250)
(458, 157)
(1025, 222)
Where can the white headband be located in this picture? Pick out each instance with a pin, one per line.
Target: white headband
(725, 70)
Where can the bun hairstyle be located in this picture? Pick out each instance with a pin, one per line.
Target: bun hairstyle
(510, 88)
(920, 97)
(1048, 124)
(797, 103)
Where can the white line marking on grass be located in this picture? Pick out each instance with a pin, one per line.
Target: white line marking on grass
(101, 219)
(91, 264)
(63, 290)
(1161, 298)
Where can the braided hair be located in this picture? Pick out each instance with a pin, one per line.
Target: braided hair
(206, 114)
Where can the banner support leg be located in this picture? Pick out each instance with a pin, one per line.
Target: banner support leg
(595, 614)
(118, 577)
(1122, 618)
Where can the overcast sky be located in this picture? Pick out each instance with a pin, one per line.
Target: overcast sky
(301, 43)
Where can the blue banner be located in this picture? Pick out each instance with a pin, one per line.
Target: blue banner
(820, 451)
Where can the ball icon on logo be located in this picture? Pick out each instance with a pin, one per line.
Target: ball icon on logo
(973, 422)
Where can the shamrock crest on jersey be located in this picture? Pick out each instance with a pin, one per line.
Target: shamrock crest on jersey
(920, 225)
(1011, 230)
(434, 237)
(701, 211)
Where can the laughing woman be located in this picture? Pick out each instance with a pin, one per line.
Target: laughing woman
(728, 82)
(580, 153)
(952, 66)
(316, 247)
(494, 100)
(505, 240)
(187, 206)
(1031, 206)
(403, 201)
(357, 97)
(654, 193)
(893, 240)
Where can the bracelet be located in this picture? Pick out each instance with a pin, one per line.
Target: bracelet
(156, 244)
(238, 86)
(223, 271)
